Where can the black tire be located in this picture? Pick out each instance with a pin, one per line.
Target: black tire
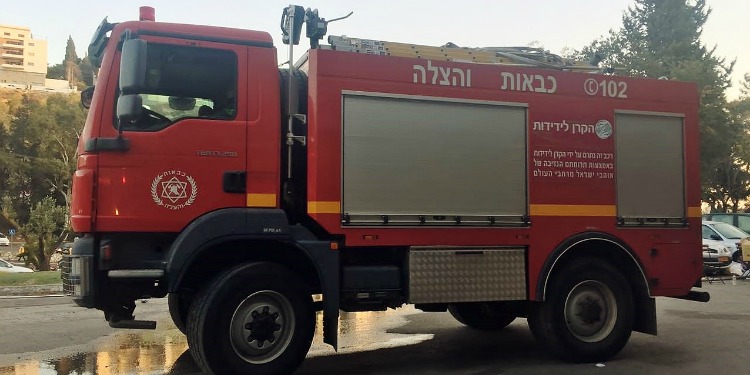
(737, 256)
(482, 315)
(589, 312)
(257, 318)
(179, 305)
(184, 365)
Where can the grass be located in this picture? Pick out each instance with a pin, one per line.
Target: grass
(32, 278)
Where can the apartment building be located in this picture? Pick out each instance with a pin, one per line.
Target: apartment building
(23, 59)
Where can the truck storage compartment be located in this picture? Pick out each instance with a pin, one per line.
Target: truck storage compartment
(650, 169)
(449, 275)
(411, 160)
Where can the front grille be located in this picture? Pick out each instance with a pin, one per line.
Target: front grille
(77, 271)
(65, 265)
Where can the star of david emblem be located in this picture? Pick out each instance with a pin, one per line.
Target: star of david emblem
(173, 189)
(176, 193)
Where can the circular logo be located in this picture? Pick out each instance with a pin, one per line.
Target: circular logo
(174, 190)
(603, 129)
(591, 87)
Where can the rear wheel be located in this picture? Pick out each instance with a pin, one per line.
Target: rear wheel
(257, 319)
(483, 315)
(589, 312)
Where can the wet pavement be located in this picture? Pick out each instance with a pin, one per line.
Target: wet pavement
(52, 337)
(165, 349)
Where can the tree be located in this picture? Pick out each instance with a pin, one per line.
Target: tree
(9, 103)
(44, 231)
(87, 71)
(739, 113)
(70, 51)
(745, 89)
(43, 140)
(662, 38)
(72, 70)
(56, 71)
(78, 72)
(37, 160)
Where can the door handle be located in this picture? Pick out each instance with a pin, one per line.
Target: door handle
(118, 144)
(235, 182)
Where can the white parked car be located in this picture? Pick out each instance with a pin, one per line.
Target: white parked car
(6, 266)
(728, 234)
(4, 241)
(716, 256)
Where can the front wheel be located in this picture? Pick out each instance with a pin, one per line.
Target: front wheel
(589, 312)
(254, 319)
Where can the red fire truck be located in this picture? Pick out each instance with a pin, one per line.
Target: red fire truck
(491, 183)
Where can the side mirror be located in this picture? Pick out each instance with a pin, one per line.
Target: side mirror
(715, 237)
(133, 66)
(129, 108)
(87, 96)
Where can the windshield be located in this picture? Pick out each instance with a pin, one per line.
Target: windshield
(729, 231)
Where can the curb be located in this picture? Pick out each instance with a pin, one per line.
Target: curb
(37, 296)
(31, 290)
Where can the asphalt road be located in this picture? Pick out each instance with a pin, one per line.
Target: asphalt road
(51, 336)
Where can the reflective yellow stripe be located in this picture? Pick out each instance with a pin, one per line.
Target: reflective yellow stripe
(587, 210)
(695, 212)
(320, 207)
(261, 200)
(572, 210)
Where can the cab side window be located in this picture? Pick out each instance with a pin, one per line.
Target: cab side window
(186, 82)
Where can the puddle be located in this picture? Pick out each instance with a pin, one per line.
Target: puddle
(364, 331)
(121, 353)
(164, 351)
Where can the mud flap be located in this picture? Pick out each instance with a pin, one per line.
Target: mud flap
(326, 262)
(645, 315)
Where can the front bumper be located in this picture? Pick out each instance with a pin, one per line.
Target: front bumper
(716, 262)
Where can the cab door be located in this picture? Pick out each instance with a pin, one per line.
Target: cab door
(185, 154)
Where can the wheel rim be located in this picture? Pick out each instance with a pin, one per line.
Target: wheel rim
(590, 311)
(262, 327)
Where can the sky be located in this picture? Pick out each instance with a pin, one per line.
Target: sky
(553, 24)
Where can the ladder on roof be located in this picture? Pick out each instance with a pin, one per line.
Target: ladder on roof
(518, 56)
